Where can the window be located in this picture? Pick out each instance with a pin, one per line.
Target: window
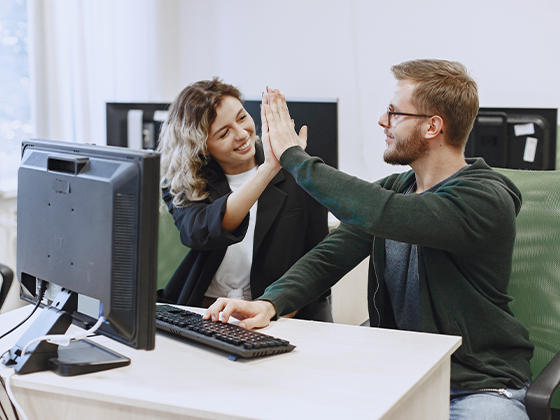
(15, 115)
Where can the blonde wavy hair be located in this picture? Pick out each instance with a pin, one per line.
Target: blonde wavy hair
(182, 141)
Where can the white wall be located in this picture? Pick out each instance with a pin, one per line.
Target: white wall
(89, 52)
(344, 48)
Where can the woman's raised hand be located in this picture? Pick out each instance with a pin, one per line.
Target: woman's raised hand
(269, 157)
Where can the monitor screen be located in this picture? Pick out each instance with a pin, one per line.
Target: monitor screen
(137, 125)
(321, 119)
(87, 222)
(515, 138)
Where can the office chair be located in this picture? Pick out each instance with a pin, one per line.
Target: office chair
(7, 277)
(170, 249)
(535, 283)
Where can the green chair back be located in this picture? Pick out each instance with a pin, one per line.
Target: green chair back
(535, 279)
(170, 249)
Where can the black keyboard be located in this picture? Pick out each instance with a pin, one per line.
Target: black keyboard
(235, 340)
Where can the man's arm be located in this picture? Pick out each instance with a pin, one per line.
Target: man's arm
(311, 276)
(458, 218)
(320, 269)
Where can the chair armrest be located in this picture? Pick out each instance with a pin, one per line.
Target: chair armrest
(539, 394)
(7, 278)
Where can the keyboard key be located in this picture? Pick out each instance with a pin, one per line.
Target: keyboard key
(226, 337)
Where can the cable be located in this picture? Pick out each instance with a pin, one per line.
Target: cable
(12, 398)
(64, 339)
(59, 339)
(41, 288)
(7, 413)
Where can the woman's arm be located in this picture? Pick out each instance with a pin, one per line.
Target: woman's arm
(200, 223)
(240, 202)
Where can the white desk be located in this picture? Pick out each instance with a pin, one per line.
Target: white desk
(336, 372)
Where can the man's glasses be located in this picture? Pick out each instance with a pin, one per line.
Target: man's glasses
(389, 113)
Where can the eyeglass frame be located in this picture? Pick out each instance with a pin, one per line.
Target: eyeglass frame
(389, 113)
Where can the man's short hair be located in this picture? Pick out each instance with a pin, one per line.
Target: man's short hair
(443, 88)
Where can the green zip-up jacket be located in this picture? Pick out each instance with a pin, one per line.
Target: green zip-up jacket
(465, 232)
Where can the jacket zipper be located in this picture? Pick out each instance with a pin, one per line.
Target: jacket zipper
(378, 282)
(501, 391)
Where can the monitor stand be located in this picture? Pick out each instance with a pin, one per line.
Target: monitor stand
(79, 357)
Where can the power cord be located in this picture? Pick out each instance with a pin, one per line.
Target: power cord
(42, 287)
(59, 339)
(65, 339)
(7, 410)
(19, 411)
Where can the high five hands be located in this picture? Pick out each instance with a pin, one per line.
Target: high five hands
(278, 134)
(281, 132)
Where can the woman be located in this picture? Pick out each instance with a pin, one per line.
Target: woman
(244, 218)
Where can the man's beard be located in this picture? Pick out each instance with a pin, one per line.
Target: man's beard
(407, 150)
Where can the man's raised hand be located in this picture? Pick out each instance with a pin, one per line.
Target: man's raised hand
(280, 125)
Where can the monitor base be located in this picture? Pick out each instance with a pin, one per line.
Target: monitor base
(85, 356)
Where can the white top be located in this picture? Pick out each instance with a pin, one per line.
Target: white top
(232, 279)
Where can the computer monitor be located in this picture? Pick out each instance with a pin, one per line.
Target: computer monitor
(321, 118)
(87, 223)
(515, 138)
(137, 125)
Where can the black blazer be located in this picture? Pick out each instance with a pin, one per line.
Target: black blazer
(289, 224)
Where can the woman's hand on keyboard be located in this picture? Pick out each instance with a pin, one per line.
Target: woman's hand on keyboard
(256, 314)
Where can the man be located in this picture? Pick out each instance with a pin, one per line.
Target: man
(440, 237)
